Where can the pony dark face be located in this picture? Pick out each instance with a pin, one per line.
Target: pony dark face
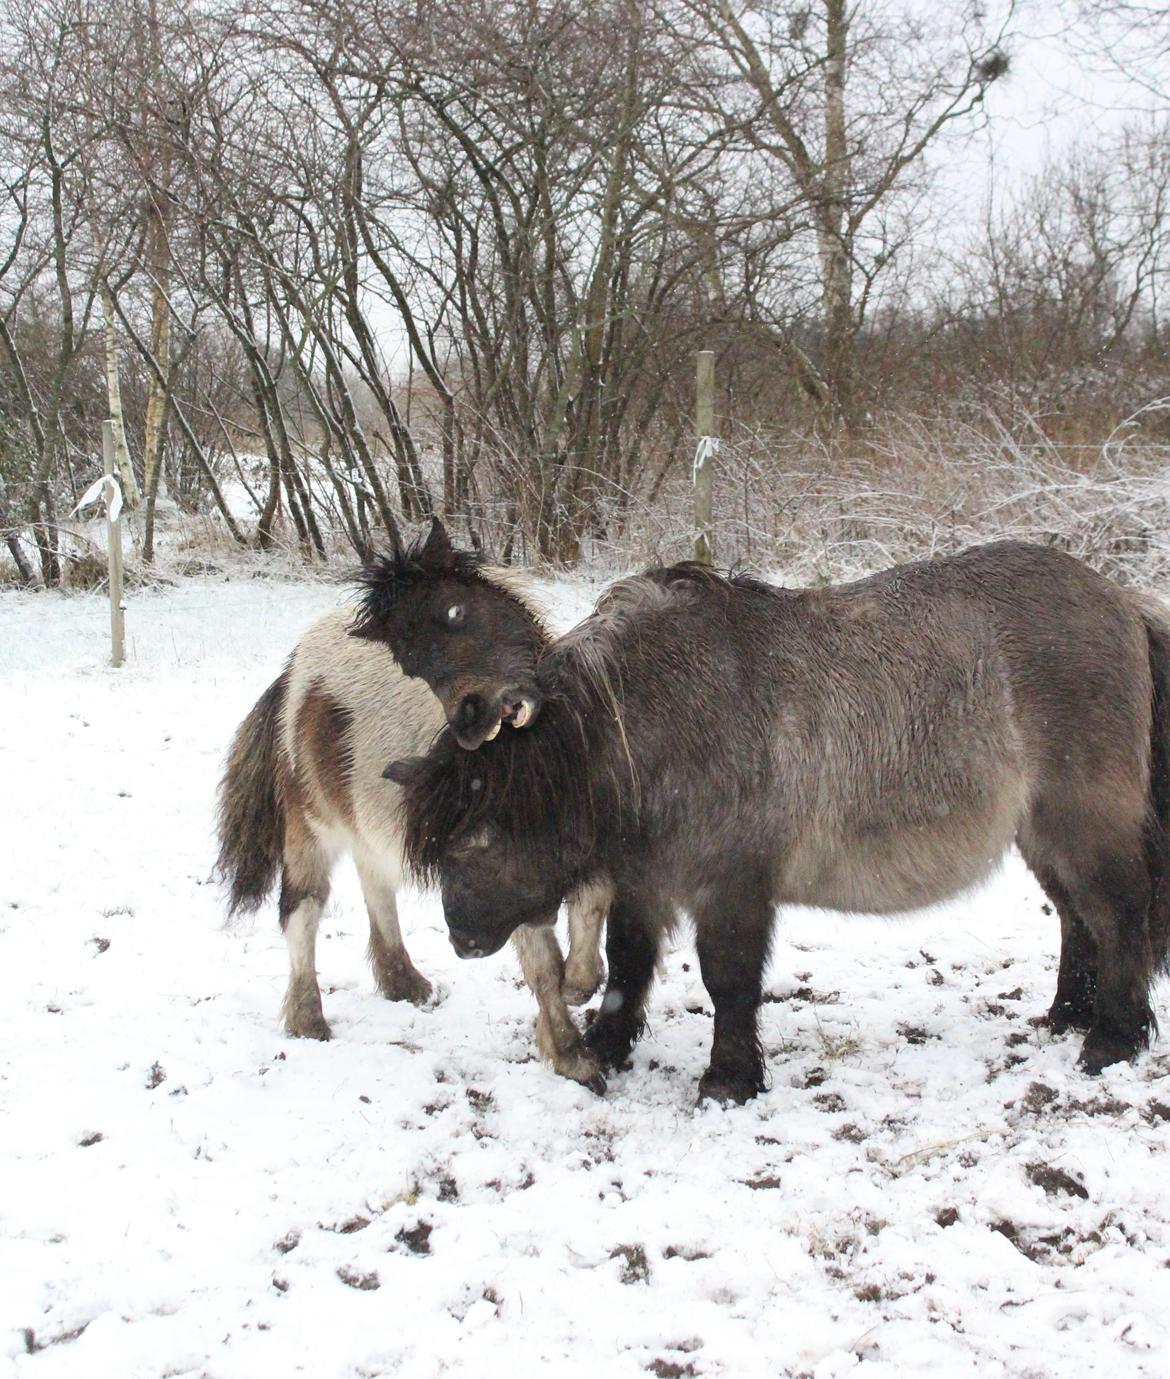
(490, 888)
(474, 642)
(486, 827)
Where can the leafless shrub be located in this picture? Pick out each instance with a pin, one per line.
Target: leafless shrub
(821, 512)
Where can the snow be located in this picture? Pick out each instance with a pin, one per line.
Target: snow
(186, 1191)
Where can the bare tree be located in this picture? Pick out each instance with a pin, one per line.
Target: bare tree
(845, 101)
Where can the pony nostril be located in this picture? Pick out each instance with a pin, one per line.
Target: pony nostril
(468, 713)
(465, 947)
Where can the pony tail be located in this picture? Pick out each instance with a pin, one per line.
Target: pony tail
(1158, 826)
(250, 817)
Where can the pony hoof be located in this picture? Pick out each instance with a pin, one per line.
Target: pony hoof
(1102, 1050)
(577, 990)
(575, 995)
(317, 1028)
(725, 1090)
(435, 996)
(410, 987)
(580, 1065)
(1064, 1019)
(611, 1048)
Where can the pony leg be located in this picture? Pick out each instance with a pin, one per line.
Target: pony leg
(300, 913)
(733, 935)
(1114, 900)
(396, 976)
(1076, 978)
(633, 933)
(584, 969)
(557, 1038)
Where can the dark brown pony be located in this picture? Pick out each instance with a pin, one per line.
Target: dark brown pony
(723, 746)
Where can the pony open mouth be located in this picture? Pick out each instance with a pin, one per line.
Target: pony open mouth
(517, 712)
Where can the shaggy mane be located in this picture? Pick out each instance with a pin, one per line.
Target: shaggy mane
(527, 782)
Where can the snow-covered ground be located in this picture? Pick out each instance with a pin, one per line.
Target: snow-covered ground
(930, 1188)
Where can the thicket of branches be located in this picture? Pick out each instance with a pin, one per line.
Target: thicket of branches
(336, 264)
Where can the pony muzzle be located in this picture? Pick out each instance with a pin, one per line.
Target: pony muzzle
(478, 719)
(474, 945)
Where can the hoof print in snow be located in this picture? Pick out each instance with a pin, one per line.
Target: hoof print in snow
(636, 1267)
(1099, 1106)
(811, 997)
(448, 1189)
(350, 1226)
(829, 1102)
(480, 1101)
(34, 1343)
(1038, 1251)
(1037, 1097)
(853, 1133)
(1008, 1230)
(671, 1369)
(354, 1278)
(913, 1034)
(101, 944)
(946, 1216)
(156, 1077)
(287, 1243)
(418, 1239)
(91, 1138)
(690, 1253)
(1056, 1180)
(280, 1284)
(815, 1077)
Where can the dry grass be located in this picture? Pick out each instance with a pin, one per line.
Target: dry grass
(813, 513)
(810, 511)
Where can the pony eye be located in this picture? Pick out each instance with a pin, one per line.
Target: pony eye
(455, 615)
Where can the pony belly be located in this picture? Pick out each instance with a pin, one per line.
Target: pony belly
(886, 868)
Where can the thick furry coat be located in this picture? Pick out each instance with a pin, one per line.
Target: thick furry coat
(724, 746)
(303, 785)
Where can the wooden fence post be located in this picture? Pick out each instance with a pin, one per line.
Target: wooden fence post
(114, 551)
(705, 448)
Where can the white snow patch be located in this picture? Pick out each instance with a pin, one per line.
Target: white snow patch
(185, 1191)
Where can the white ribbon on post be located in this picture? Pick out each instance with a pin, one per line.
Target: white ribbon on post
(707, 449)
(106, 487)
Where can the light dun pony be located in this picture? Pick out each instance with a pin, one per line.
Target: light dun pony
(303, 785)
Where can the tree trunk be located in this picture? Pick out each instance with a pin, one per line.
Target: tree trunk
(157, 398)
(833, 237)
(131, 496)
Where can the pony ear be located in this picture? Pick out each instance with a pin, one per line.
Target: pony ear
(404, 771)
(437, 556)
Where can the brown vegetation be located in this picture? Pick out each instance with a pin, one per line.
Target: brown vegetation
(340, 265)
